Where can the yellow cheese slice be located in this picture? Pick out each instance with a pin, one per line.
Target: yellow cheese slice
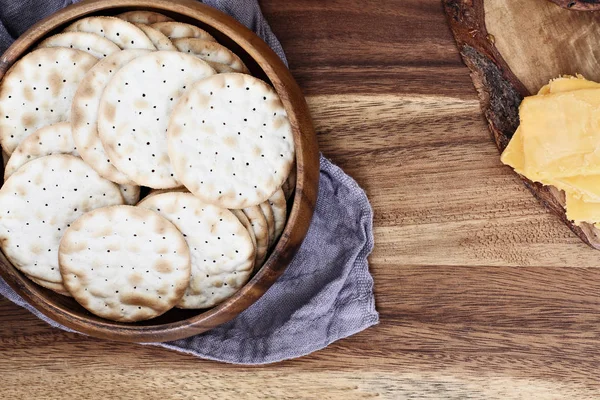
(513, 153)
(582, 191)
(568, 83)
(580, 211)
(561, 134)
(586, 187)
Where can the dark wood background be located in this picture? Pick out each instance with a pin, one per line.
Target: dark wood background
(482, 293)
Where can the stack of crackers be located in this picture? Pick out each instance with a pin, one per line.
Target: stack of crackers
(146, 168)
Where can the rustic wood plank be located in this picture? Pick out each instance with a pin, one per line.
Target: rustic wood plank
(482, 293)
(455, 330)
(351, 47)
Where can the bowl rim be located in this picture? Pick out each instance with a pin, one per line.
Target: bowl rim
(304, 202)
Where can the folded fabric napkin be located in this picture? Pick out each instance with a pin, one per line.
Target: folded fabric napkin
(324, 295)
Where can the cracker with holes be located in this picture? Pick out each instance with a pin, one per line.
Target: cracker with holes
(246, 222)
(122, 33)
(37, 91)
(159, 40)
(259, 225)
(221, 248)
(289, 186)
(125, 263)
(55, 287)
(131, 194)
(134, 113)
(84, 115)
(91, 43)
(39, 201)
(55, 139)
(278, 204)
(268, 213)
(51, 139)
(216, 55)
(144, 17)
(230, 141)
(178, 30)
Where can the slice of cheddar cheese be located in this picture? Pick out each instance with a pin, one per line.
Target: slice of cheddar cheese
(568, 83)
(580, 211)
(582, 191)
(513, 153)
(586, 187)
(561, 134)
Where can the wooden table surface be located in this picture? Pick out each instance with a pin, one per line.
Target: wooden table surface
(482, 293)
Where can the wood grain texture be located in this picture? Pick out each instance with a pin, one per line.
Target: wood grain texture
(578, 5)
(483, 294)
(566, 46)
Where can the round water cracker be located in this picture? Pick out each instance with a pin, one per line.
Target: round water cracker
(221, 248)
(221, 68)
(159, 40)
(259, 225)
(154, 192)
(55, 139)
(134, 113)
(268, 213)
(55, 287)
(91, 43)
(178, 30)
(246, 222)
(215, 54)
(278, 204)
(51, 139)
(38, 90)
(230, 141)
(130, 193)
(290, 183)
(125, 263)
(86, 103)
(37, 204)
(144, 17)
(5, 158)
(122, 33)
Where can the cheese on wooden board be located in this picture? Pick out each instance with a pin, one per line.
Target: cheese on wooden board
(580, 211)
(583, 189)
(513, 153)
(568, 83)
(561, 134)
(586, 187)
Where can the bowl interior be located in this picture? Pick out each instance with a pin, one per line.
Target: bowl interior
(178, 323)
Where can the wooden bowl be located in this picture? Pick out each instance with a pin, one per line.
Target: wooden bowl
(263, 63)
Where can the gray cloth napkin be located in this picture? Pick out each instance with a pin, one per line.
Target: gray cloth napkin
(325, 294)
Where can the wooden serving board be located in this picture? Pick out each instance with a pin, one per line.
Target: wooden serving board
(512, 50)
(579, 4)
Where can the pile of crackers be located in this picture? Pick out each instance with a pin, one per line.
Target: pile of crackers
(146, 168)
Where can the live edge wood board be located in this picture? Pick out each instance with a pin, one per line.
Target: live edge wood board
(512, 49)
